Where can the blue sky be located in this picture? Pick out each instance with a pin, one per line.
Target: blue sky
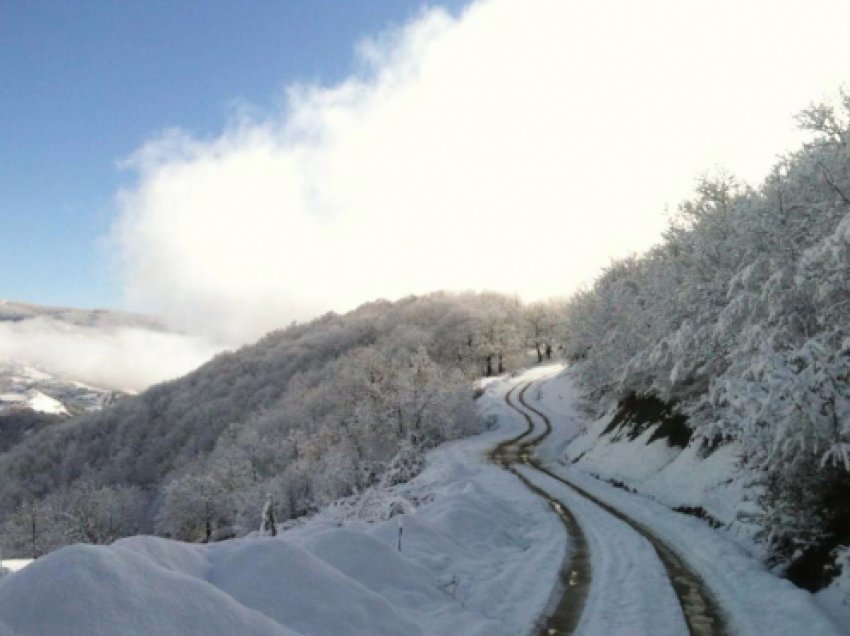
(427, 148)
(507, 145)
(85, 83)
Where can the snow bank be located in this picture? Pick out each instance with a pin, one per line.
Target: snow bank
(673, 476)
(726, 558)
(630, 461)
(296, 588)
(104, 591)
(754, 600)
(378, 566)
(480, 556)
(184, 558)
(13, 565)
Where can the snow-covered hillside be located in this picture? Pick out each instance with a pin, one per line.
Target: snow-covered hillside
(25, 387)
(685, 477)
(109, 349)
(714, 492)
(479, 556)
(464, 548)
(735, 330)
(310, 413)
(11, 311)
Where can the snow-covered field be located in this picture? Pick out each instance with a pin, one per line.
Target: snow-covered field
(480, 555)
(23, 386)
(35, 400)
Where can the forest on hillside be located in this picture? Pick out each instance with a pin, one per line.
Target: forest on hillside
(305, 416)
(740, 318)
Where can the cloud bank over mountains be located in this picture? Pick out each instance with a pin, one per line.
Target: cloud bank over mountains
(121, 357)
(516, 147)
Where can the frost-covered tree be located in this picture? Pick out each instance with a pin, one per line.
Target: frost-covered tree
(541, 328)
(82, 512)
(740, 319)
(308, 414)
(195, 506)
(267, 521)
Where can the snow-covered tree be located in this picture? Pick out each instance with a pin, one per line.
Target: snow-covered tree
(739, 319)
(267, 520)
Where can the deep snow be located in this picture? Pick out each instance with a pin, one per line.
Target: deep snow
(480, 556)
(755, 600)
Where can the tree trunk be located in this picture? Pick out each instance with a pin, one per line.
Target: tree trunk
(34, 555)
(207, 523)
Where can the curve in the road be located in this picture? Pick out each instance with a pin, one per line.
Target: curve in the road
(563, 611)
(701, 611)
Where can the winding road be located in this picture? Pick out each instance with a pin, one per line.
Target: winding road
(629, 561)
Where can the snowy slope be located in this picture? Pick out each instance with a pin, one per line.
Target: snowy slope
(479, 556)
(23, 386)
(111, 349)
(13, 565)
(673, 476)
(11, 311)
(755, 600)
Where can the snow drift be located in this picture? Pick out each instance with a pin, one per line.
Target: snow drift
(479, 557)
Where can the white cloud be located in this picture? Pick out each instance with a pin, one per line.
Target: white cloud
(518, 147)
(118, 358)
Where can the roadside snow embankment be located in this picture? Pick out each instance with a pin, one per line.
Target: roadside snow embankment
(676, 477)
(662, 478)
(480, 556)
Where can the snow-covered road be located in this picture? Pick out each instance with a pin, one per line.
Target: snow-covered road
(649, 562)
(630, 589)
(480, 556)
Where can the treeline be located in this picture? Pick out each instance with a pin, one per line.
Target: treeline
(307, 415)
(741, 318)
(16, 424)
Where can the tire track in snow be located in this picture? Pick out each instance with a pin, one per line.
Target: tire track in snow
(701, 611)
(566, 603)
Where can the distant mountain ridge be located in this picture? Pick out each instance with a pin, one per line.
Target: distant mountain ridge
(12, 311)
(33, 398)
(27, 387)
(103, 349)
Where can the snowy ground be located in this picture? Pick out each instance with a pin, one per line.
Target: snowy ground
(480, 556)
(13, 565)
(754, 600)
(7, 566)
(23, 386)
(670, 475)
